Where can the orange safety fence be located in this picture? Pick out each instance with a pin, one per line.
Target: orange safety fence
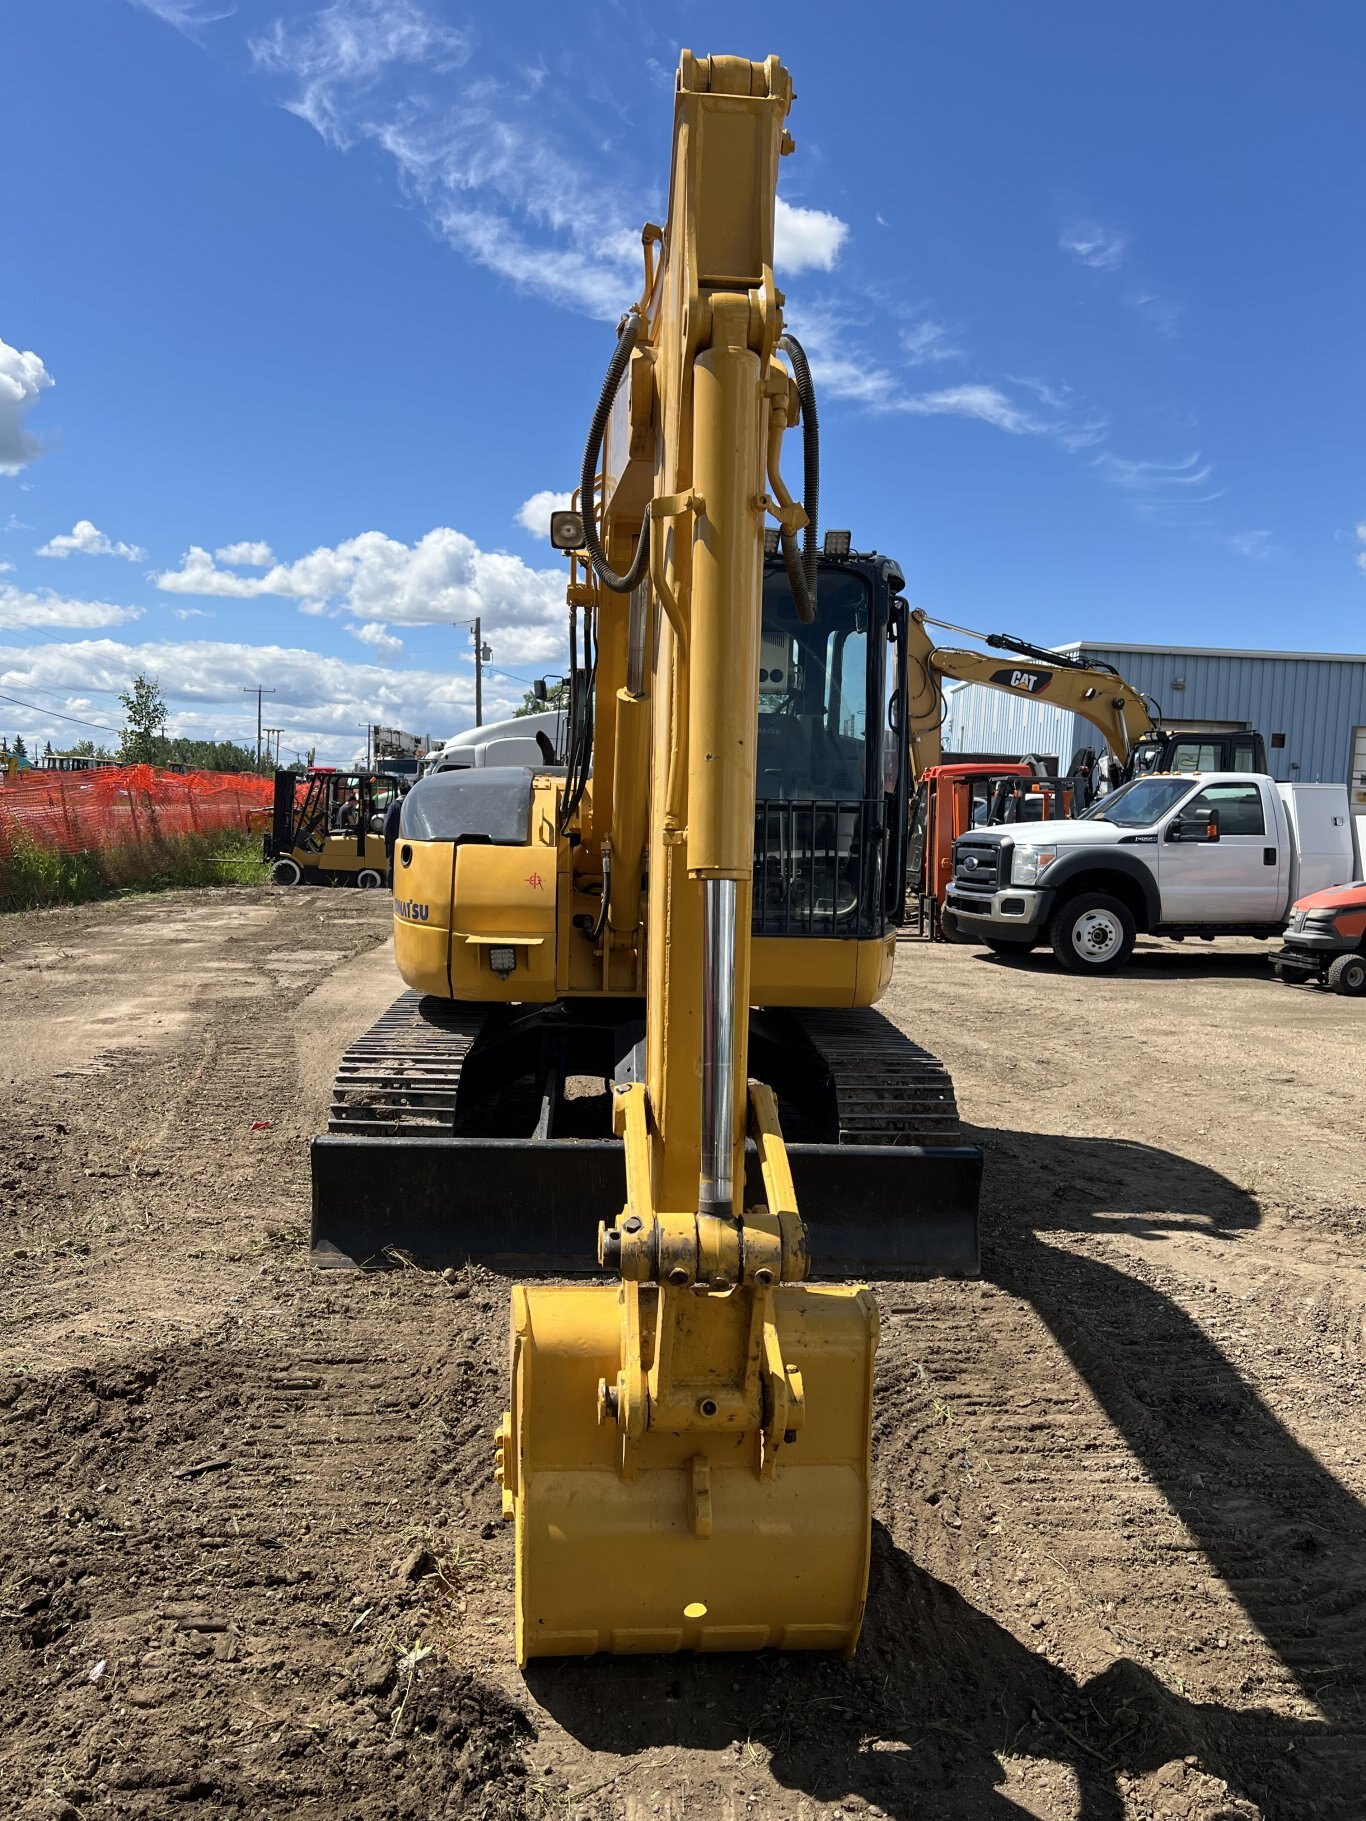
(124, 807)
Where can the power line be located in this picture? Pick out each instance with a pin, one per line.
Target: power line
(258, 690)
(52, 712)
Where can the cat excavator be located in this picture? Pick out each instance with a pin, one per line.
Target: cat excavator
(1128, 721)
(642, 989)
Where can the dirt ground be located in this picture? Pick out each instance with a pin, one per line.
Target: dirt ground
(250, 1557)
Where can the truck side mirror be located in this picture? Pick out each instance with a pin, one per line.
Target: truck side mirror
(1212, 826)
(538, 689)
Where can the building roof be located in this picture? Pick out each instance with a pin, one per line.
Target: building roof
(1211, 651)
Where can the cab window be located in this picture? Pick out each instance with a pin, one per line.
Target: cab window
(1239, 807)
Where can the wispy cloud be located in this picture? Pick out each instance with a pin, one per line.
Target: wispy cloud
(84, 540)
(924, 342)
(1164, 492)
(1159, 314)
(1095, 245)
(1361, 539)
(192, 613)
(1257, 546)
(188, 16)
(489, 157)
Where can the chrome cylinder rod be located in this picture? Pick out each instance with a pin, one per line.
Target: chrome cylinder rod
(718, 1045)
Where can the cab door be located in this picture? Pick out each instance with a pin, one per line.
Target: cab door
(1241, 877)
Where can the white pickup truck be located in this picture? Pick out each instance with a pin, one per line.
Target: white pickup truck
(1192, 854)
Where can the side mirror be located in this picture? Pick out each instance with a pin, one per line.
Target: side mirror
(538, 689)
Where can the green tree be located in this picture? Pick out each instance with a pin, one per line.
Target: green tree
(143, 741)
(556, 696)
(20, 750)
(87, 749)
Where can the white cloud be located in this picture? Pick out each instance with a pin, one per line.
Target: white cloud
(1361, 539)
(533, 514)
(805, 239)
(185, 15)
(20, 609)
(319, 701)
(990, 405)
(1255, 545)
(1095, 245)
(22, 377)
(192, 613)
(379, 638)
(1159, 314)
(1167, 478)
(444, 576)
(254, 556)
(6, 568)
(486, 156)
(83, 539)
(924, 342)
(1164, 492)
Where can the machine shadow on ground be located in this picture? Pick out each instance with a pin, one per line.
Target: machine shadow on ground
(939, 1690)
(1192, 960)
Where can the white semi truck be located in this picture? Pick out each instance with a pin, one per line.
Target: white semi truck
(1192, 854)
(537, 740)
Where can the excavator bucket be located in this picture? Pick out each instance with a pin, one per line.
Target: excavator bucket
(687, 1540)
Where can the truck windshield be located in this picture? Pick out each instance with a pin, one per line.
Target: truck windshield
(1140, 803)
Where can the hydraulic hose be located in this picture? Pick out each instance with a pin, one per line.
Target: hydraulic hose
(592, 451)
(801, 571)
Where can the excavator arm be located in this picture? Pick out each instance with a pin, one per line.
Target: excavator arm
(686, 1455)
(1099, 695)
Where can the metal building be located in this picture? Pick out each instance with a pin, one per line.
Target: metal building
(1309, 706)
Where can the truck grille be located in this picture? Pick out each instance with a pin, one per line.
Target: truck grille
(977, 868)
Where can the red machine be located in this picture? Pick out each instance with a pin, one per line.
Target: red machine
(950, 801)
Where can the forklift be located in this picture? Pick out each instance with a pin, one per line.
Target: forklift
(327, 827)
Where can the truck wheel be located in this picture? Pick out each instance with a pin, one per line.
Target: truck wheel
(1092, 934)
(285, 872)
(1008, 950)
(1348, 975)
(367, 879)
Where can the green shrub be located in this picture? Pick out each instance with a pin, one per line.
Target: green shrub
(34, 876)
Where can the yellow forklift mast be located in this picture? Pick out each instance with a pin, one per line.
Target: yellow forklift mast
(640, 991)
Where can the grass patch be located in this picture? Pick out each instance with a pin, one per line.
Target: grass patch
(34, 877)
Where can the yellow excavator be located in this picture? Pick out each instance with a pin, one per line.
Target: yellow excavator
(642, 988)
(1128, 721)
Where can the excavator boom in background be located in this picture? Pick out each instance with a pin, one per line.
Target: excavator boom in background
(642, 990)
(1127, 721)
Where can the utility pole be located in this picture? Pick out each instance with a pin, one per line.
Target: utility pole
(482, 656)
(258, 690)
(277, 731)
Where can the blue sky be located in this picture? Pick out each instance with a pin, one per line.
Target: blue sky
(300, 305)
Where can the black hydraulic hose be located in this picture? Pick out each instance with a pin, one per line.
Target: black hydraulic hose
(801, 574)
(588, 474)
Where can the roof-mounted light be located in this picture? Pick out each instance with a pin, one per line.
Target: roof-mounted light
(566, 530)
(771, 541)
(838, 543)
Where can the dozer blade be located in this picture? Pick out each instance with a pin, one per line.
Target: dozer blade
(533, 1205)
(684, 1540)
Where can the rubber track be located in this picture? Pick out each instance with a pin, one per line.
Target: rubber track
(888, 1090)
(404, 1073)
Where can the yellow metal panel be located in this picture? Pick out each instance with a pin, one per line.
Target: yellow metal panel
(507, 894)
(606, 1562)
(423, 872)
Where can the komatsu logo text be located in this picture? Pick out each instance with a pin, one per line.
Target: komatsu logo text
(1030, 682)
(411, 911)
